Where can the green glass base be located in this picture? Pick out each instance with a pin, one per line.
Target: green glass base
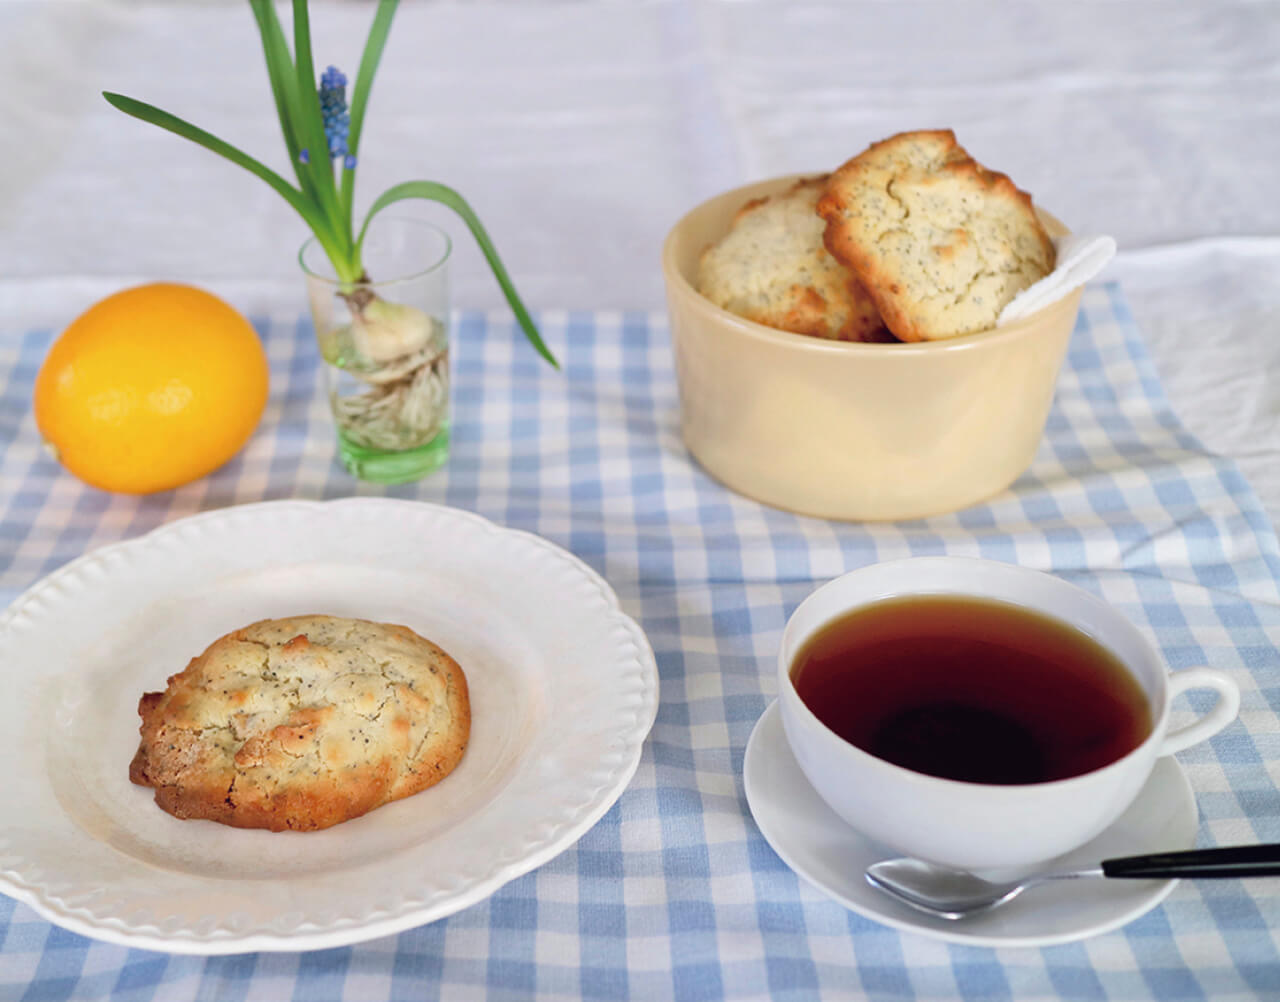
(380, 466)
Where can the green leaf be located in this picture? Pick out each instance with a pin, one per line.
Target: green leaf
(172, 123)
(432, 191)
(310, 125)
(284, 88)
(373, 47)
(280, 70)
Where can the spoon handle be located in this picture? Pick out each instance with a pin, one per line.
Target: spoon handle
(1237, 861)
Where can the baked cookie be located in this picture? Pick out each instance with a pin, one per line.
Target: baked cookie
(940, 242)
(303, 723)
(772, 268)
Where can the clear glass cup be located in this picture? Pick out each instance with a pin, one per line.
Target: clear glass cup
(385, 348)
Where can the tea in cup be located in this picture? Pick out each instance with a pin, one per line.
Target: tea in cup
(977, 714)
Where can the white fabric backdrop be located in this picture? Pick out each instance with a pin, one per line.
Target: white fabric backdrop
(581, 131)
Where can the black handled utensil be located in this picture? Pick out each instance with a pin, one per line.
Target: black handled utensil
(954, 894)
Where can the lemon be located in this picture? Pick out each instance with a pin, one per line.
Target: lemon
(151, 388)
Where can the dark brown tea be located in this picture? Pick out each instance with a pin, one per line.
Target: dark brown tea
(971, 689)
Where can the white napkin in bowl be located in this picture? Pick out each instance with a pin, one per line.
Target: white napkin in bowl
(1079, 258)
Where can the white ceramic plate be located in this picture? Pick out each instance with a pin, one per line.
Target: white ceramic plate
(563, 689)
(815, 842)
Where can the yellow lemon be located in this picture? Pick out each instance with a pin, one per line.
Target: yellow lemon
(151, 388)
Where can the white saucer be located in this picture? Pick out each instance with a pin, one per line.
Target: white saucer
(815, 842)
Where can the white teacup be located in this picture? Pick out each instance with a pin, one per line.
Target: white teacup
(976, 826)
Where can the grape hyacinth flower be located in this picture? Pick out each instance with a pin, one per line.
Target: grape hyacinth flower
(333, 110)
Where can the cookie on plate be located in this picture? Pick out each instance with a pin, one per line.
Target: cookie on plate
(772, 268)
(941, 243)
(302, 723)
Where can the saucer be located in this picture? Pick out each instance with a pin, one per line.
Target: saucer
(818, 845)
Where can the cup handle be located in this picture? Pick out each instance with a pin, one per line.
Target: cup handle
(1224, 710)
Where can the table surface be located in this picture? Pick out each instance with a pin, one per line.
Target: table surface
(580, 132)
(675, 893)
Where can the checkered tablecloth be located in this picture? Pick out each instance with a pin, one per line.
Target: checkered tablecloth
(675, 894)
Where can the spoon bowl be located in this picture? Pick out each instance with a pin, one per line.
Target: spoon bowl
(952, 894)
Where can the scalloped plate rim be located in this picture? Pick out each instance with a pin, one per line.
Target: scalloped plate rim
(345, 930)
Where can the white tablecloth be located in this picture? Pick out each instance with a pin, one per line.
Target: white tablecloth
(581, 131)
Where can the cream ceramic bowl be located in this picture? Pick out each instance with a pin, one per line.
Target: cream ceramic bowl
(854, 431)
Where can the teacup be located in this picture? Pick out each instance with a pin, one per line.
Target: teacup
(984, 826)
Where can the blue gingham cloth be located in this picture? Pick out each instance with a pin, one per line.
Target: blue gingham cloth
(675, 894)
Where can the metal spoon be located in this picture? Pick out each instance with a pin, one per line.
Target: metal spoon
(954, 894)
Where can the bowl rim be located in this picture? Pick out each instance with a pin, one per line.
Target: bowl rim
(975, 341)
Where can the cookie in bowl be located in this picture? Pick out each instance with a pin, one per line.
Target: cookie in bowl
(940, 242)
(302, 723)
(772, 268)
(848, 430)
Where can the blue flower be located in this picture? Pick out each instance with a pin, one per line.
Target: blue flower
(333, 108)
